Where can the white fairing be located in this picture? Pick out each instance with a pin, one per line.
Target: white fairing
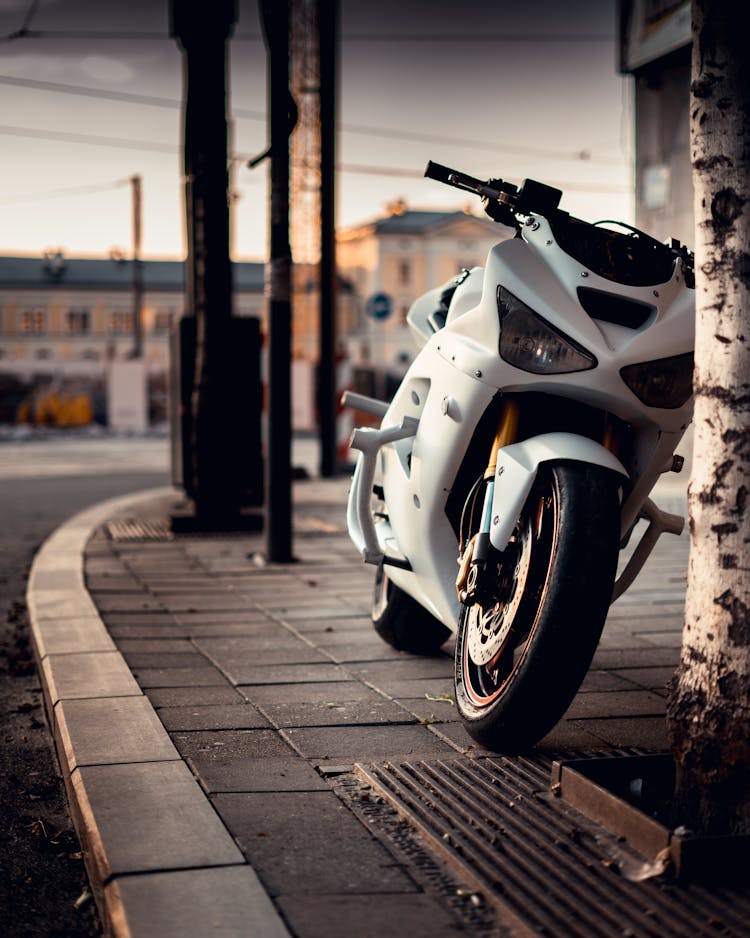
(458, 373)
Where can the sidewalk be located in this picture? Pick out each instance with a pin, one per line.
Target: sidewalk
(244, 756)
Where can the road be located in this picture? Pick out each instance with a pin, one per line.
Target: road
(43, 886)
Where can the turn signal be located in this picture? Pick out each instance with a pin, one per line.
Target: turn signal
(664, 382)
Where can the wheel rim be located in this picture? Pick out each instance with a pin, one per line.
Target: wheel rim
(498, 633)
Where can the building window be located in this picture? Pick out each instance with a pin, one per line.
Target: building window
(121, 322)
(163, 319)
(34, 321)
(78, 322)
(43, 354)
(404, 273)
(90, 355)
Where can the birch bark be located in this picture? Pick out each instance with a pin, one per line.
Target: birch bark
(709, 710)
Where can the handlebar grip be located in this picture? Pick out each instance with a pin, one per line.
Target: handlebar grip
(438, 173)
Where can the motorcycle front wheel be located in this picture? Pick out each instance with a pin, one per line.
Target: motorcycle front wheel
(526, 641)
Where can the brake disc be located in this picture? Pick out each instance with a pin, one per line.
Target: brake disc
(489, 625)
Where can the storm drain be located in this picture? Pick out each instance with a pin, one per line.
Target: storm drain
(138, 529)
(545, 867)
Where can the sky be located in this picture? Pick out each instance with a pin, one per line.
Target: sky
(90, 96)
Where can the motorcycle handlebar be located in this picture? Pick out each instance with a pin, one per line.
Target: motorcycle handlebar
(452, 177)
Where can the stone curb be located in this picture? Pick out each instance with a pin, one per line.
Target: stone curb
(160, 862)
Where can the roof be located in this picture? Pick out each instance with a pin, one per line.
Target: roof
(112, 274)
(422, 222)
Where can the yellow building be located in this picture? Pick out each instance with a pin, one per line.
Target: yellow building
(399, 257)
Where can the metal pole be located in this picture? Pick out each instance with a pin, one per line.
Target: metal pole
(135, 183)
(275, 19)
(327, 391)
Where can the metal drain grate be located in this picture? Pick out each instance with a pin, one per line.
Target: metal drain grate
(546, 868)
(131, 529)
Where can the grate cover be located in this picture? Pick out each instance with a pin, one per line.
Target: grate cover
(545, 867)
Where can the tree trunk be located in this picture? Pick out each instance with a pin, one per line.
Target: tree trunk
(709, 711)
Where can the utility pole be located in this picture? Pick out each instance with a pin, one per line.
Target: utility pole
(282, 116)
(135, 184)
(202, 32)
(327, 22)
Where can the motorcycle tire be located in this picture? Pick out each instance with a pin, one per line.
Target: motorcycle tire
(400, 620)
(522, 654)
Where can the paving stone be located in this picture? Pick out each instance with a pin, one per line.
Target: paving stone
(212, 717)
(365, 743)
(363, 650)
(431, 711)
(71, 603)
(327, 916)
(605, 681)
(197, 602)
(218, 694)
(337, 713)
(417, 688)
(115, 619)
(224, 773)
(322, 693)
(648, 732)
(332, 624)
(231, 653)
(206, 746)
(229, 901)
(615, 704)
(654, 679)
(620, 658)
(219, 618)
(139, 602)
(178, 677)
(119, 583)
(106, 731)
(146, 817)
(92, 674)
(188, 658)
(66, 636)
(309, 843)
(570, 734)
(287, 673)
(311, 609)
(129, 646)
(408, 668)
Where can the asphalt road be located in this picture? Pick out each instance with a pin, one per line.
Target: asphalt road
(43, 885)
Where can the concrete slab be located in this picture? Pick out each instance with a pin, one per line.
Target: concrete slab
(93, 674)
(67, 636)
(351, 744)
(309, 843)
(229, 902)
(418, 916)
(212, 717)
(148, 817)
(338, 713)
(306, 693)
(217, 694)
(238, 652)
(287, 674)
(106, 731)
(179, 677)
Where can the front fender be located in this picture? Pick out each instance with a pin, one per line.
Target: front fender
(517, 467)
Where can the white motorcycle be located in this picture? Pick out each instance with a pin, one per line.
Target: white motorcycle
(517, 455)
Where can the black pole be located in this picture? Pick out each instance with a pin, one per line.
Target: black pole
(202, 33)
(327, 390)
(275, 21)
(137, 193)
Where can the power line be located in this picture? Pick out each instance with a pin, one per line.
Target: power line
(453, 38)
(66, 137)
(66, 191)
(260, 116)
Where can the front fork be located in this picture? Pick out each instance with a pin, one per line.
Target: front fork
(474, 554)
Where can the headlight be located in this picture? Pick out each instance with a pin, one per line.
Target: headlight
(530, 343)
(664, 382)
